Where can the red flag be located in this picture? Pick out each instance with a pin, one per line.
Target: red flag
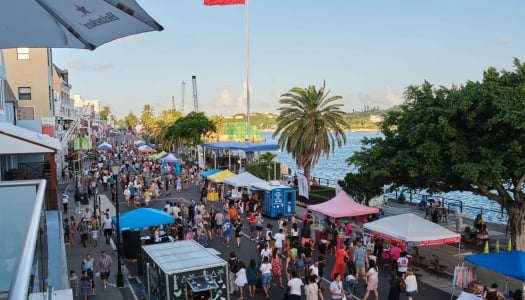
(224, 2)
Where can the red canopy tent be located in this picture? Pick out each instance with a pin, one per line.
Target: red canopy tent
(342, 205)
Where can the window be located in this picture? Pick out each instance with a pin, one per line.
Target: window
(24, 93)
(22, 53)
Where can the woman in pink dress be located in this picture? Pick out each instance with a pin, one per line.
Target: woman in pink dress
(340, 265)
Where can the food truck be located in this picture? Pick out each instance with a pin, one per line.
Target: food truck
(184, 270)
(277, 199)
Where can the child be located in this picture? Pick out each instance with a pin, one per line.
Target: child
(73, 283)
(86, 285)
(241, 279)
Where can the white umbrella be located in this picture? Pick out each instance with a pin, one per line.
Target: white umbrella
(84, 24)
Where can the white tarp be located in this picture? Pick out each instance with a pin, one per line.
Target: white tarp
(244, 179)
(411, 228)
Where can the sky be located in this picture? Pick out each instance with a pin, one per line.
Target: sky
(368, 52)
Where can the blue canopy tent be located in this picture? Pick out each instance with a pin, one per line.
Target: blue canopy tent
(104, 147)
(248, 148)
(171, 158)
(210, 172)
(143, 217)
(508, 263)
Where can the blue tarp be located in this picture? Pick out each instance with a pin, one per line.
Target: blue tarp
(246, 147)
(508, 263)
(143, 217)
(209, 172)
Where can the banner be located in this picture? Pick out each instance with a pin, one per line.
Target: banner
(303, 185)
(200, 154)
(223, 2)
(81, 144)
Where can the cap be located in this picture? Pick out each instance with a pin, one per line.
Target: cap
(84, 220)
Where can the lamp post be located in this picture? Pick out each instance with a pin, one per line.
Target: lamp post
(120, 279)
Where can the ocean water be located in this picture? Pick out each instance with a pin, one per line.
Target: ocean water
(334, 168)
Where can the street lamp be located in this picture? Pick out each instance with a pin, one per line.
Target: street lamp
(120, 279)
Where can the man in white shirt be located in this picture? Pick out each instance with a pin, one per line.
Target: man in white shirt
(294, 287)
(279, 240)
(65, 201)
(107, 227)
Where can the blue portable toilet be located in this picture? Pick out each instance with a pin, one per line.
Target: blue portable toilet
(277, 199)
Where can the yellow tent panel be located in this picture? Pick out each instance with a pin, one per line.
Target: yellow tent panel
(219, 177)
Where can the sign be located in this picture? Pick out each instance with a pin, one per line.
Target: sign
(48, 121)
(81, 144)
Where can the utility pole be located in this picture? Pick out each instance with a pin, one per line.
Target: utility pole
(195, 98)
(173, 102)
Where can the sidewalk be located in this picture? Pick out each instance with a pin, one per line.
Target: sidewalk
(75, 252)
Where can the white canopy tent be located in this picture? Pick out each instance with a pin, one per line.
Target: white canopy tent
(244, 179)
(413, 230)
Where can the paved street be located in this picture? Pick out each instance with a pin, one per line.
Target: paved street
(430, 287)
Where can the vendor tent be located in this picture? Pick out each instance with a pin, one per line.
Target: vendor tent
(221, 176)
(205, 174)
(170, 158)
(104, 147)
(143, 217)
(244, 179)
(139, 143)
(341, 206)
(509, 263)
(412, 229)
(158, 155)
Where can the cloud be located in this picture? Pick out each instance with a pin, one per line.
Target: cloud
(386, 98)
(83, 65)
(499, 42)
(227, 104)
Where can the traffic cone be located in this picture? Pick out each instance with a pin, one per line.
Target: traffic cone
(509, 246)
(496, 249)
(486, 248)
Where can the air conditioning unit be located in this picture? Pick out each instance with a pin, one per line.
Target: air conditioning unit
(274, 182)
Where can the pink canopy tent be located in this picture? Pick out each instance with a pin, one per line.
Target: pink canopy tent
(342, 205)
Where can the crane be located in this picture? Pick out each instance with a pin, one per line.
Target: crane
(195, 98)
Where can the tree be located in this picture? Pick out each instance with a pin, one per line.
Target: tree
(190, 128)
(310, 125)
(468, 138)
(130, 120)
(147, 118)
(267, 157)
(220, 124)
(104, 113)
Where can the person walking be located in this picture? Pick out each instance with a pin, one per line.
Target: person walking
(372, 280)
(65, 202)
(266, 272)
(233, 268)
(241, 279)
(86, 285)
(360, 262)
(336, 288)
(238, 233)
(104, 267)
(73, 284)
(88, 266)
(252, 275)
(107, 227)
(411, 284)
(294, 287)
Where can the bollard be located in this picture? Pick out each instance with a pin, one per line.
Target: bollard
(486, 248)
(509, 245)
(496, 249)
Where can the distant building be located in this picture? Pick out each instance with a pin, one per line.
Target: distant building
(376, 118)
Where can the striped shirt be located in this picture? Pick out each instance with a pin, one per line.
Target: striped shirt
(104, 263)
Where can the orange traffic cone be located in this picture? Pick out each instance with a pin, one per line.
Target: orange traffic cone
(486, 248)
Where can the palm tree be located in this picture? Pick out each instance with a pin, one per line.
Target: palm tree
(267, 157)
(220, 123)
(310, 125)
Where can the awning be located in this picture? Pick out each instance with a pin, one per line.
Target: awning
(18, 140)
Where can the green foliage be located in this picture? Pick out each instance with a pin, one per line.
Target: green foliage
(468, 138)
(311, 124)
(104, 113)
(265, 170)
(319, 194)
(267, 157)
(191, 128)
(130, 120)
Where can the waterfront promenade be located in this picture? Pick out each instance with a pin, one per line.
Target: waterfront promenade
(431, 286)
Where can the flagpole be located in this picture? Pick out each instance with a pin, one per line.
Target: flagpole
(247, 74)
